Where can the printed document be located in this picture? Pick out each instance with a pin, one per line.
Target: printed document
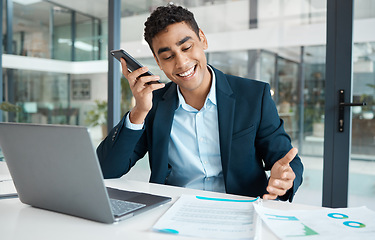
(327, 223)
(7, 188)
(213, 218)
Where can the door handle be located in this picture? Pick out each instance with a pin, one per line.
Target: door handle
(342, 105)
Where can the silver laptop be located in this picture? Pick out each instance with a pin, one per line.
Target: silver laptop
(55, 167)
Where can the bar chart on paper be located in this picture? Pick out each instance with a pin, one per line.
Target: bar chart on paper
(342, 223)
(284, 222)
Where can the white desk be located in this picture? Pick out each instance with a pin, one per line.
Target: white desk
(20, 221)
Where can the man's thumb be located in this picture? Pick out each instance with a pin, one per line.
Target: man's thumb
(289, 156)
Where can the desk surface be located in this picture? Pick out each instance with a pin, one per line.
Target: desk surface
(20, 221)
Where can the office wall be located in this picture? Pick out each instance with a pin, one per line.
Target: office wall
(272, 53)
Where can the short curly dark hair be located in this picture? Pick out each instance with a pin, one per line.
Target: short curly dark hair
(164, 16)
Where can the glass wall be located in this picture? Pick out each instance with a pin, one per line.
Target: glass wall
(232, 62)
(287, 95)
(363, 131)
(42, 97)
(278, 42)
(362, 162)
(314, 98)
(31, 30)
(61, 47)
(77, 37)
(294, 69)
(46, 30)
(58, 98)
(50, 31)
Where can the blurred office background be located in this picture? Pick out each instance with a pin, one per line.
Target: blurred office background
(54, 69)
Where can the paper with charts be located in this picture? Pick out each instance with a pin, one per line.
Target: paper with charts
(327, 223)
(213, 218)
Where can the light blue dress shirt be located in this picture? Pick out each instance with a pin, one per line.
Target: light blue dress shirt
(194, 149)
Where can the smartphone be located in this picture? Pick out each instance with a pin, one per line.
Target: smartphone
(131, 62)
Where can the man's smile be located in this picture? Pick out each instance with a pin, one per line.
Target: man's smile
(188, 73)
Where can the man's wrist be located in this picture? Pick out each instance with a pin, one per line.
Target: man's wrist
(130, 125)
(136, 116)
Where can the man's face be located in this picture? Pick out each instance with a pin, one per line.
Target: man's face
(180, 54)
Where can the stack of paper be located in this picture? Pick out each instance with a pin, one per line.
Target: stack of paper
(209, 218)
(7, 188)
(218, 218)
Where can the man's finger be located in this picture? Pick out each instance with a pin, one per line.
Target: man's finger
(288, 175)
(276, 191)
(289, 156)
(284, 184)
(269, 196)
(124, 66)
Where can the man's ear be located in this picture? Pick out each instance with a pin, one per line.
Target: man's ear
(203, 39)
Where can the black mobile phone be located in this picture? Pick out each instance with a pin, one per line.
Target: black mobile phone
(131, 63)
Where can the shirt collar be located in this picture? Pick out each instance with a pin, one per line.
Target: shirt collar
(210, 97)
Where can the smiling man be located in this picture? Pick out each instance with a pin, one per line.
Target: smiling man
(204, 129)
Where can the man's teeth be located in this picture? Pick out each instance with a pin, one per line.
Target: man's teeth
(187, 73)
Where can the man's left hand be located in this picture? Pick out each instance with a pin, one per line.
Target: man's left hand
(282, 176)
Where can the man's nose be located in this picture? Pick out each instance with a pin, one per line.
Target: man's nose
(181, 60)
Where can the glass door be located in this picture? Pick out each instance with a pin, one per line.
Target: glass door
(362, 161)
(349, 151)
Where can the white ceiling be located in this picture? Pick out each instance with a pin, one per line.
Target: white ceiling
(99, 8)
(29, 12)
(96, 8)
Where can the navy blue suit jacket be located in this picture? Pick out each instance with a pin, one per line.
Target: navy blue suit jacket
(252, 137)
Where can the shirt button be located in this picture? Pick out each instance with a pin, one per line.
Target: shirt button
(199, 114)
(201, 139)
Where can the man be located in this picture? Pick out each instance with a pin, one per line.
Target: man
(205, 129)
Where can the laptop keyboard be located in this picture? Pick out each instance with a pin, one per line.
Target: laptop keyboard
(120, 207)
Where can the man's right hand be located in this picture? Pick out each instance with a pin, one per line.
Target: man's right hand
(142, 91)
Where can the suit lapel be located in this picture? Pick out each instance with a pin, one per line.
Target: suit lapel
(225, 109)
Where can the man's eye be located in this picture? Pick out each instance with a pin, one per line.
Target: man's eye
(187, 48)
(169, 57)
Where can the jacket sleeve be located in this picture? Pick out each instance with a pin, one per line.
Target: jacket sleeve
(273, 142)
(120, 150)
